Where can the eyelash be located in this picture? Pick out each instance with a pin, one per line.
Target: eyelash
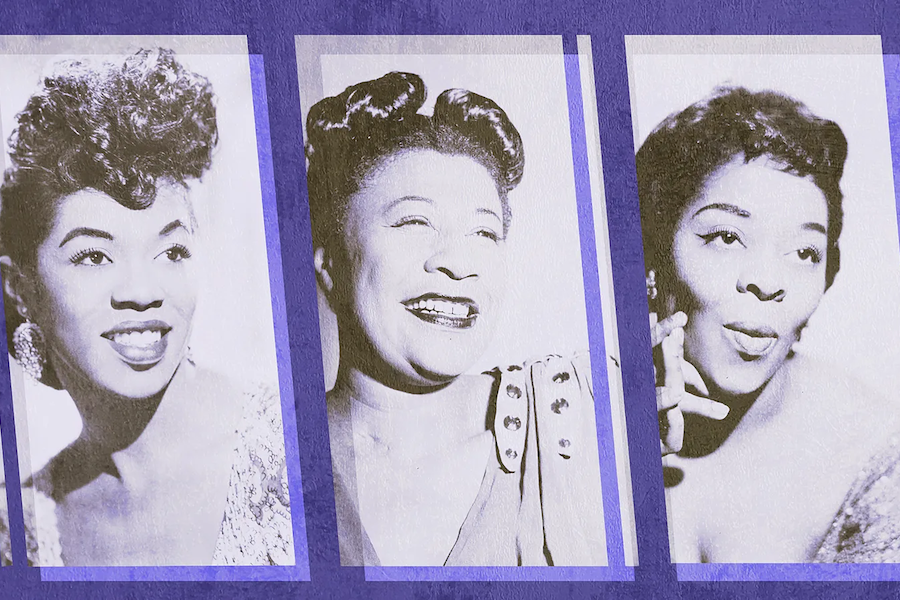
(720, 233)
(182, 251)
(411, 221)
(78, 257)
(485, 233)
(815, 255)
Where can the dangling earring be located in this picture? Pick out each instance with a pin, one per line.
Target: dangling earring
(652, 292)
(28, 342)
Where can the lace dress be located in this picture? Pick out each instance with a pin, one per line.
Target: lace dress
(256, 525)
(540, 501)
(867, 527)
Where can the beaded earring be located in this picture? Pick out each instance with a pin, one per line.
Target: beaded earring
(652, 292)
(28, 342)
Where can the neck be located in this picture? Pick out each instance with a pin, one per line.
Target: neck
(704, 436)
(409, 423)
(111, 422)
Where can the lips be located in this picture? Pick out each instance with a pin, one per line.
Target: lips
(141, 344)
(751, 340)
(445, 311)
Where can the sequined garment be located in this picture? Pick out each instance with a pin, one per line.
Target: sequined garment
(867, 527)
(256, 526)
(540, 501)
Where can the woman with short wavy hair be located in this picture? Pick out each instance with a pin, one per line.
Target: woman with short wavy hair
(741, 209)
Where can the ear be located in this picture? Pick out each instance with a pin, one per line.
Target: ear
(324, 265)
(16, 285)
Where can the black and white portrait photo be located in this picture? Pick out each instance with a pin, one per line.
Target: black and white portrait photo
(452, 304)
(138, 306)
(771, 250)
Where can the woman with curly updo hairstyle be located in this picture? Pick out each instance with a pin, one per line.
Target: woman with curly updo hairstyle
(98, 235)
(741, 210)
(433, 465)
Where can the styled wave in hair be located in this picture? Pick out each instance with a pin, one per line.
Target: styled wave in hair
(677, 158)
(350, 134)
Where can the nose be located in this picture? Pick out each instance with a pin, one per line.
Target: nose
(453, 258)
(137, 290)
(762, 278)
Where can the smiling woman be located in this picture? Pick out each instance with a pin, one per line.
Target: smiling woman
(98, 237)
(434, 466)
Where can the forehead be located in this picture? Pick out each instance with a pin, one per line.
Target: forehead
(452, 179)
(95, 209)
(760, 188)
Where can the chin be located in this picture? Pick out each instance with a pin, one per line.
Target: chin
(126, 382)
(739, 381)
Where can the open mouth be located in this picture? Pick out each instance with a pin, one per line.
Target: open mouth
(751, 341)
(446, 311)
(141, 344)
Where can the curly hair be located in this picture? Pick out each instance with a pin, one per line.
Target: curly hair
(677, 158)
(350, 134)
(121, 129)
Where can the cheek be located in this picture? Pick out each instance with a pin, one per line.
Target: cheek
(808, 292)
(702, 278)
(181, 291)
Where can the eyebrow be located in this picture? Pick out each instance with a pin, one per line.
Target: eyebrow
(813, 226)
(393, 203)
(729, 208)
(176, 224)
(86, 232)
(487, 211)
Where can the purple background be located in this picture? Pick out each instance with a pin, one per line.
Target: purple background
(270, 26)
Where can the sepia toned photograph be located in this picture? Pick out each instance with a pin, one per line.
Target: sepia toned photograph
(771, 251)
(461, 393)
(139, 317)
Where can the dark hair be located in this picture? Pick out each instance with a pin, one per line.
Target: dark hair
(677, 158)
(350, 134)
(120, 129)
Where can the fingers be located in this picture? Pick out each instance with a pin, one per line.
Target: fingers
(692, 378)
(703, 407)
(661, 330)
(671, 431)
(672, 358)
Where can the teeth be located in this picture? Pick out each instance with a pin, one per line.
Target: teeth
(442, 306)
(138, 338)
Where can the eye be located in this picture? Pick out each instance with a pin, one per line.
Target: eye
(176, 253)
(810, 254)
(722, 237)
(488, 234)
(416, 220)
(90, 258)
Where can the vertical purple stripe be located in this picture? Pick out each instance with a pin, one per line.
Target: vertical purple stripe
(892, 88)
(611, 512)
(11, 458)
(279, 313)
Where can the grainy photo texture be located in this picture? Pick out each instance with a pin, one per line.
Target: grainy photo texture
(163, 455)
(766, 204)
(416, 187)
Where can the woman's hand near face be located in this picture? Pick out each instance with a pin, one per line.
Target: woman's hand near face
(673, 381)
